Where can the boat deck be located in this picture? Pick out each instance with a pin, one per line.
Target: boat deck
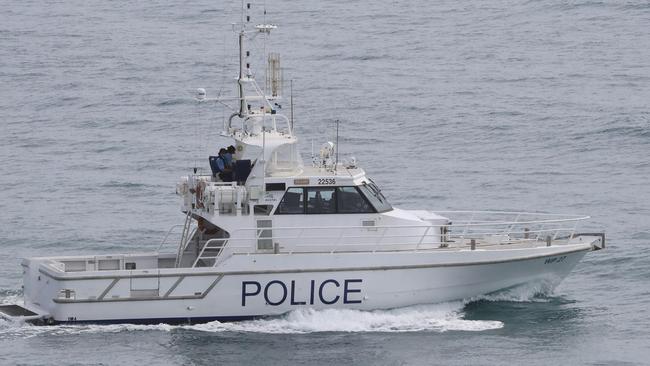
(143, 262)
(15, 311)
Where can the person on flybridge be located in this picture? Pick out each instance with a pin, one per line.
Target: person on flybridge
(229, 156)
(221, 167)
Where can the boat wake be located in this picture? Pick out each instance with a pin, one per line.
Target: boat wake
(436, 317)
(440, 317)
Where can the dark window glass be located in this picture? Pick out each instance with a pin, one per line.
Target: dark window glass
(321, 200)
(262, 209)
(375, 197)
(293, 202)
(349, 200)
(328, 200)
(275, 186)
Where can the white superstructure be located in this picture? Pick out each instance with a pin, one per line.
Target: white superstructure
(284, 235)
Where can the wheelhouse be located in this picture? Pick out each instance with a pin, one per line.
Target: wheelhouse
(363, 199)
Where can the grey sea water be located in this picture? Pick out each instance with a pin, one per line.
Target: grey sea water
(500, 105)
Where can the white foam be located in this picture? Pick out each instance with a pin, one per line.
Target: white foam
(28, 331)
(438, 317)
(11, 299)
(529, 292)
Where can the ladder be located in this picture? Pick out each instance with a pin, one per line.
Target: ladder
(186, 236)
(210, 245)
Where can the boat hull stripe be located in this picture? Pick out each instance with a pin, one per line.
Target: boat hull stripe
(315, 270)
(145, 298)
(178, 281)
(171, 321)
(103, 294)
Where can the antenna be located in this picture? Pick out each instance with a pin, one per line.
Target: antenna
(242, 14)
(291, 102)
(337, 145)
(263, 155)
(264, 36)
(240, 81)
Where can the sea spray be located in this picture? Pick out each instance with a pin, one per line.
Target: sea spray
(434, 317)
(529, 292)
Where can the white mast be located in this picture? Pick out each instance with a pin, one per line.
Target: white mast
(240, 81)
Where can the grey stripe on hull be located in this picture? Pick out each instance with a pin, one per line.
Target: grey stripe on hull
(314, 270)
(144, 298)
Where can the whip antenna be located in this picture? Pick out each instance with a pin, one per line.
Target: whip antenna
(291, 102)
(337, 145)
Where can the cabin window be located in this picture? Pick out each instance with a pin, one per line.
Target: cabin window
(292, 202)
(330, 200)
(262, 209)
(350, 200)
(276, 187)
(321, 200)
(373, 194)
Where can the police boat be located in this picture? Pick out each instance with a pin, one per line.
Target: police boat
(271, 234)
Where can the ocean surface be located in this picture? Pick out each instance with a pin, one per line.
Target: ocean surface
(480, 105)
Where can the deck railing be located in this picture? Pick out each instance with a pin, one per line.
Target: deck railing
(469, 229)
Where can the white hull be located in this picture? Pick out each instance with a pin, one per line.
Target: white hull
(252, 286)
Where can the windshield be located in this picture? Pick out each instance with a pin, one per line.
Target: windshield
(373, 194)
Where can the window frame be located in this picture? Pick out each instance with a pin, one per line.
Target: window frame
(333, 199)
(363, 197)
(305, 190)
(262, 210)
(376, 193)
(304, 208)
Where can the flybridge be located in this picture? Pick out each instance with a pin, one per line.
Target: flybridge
(260, 125)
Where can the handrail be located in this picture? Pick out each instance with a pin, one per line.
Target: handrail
(418, 236)
(503, 232)
(167, 235)
(507, 213)
(412, 226)
(488, 223)
(185, 238)
(372, 247)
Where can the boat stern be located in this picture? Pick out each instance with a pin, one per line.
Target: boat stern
(35, 305)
